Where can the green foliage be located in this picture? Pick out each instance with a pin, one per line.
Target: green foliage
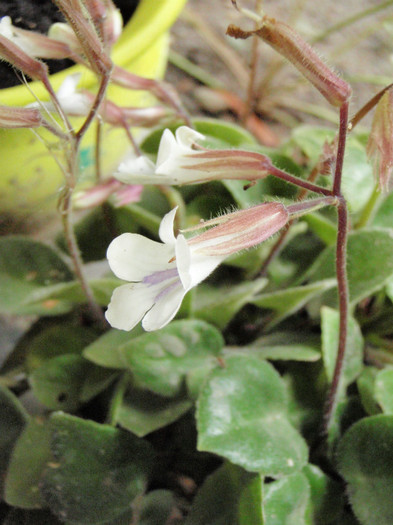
(212, 419)
(242, 416)
(365, 460)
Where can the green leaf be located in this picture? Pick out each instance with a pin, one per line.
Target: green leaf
(161, 361)
(31, 517)
(365, 460)
(322, 226)
(105, 351)
(218, 501)
(286, 500)
(279, 352)
(58, 381)
(353, 361)
(242, 416)
(25, 267)
(250, 503)
(142, 412)
(97, 379)
(287, 302)
(326, 501)
(157, 507)
(13, 419)
(96, 472)
(384, 390)
(52, 339)
(357, 177)
(366, 388)
(311, 140)
(384, 216)
(369, 264)
(30, 456)
(218, 305)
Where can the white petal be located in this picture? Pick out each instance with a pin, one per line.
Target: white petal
(166, 227)
(166, 149)
(202, 266)
(68, 86)
(6, 27)
(140, 170)
(183, 260)
(128, 305)
(186, 136)
(133, 257)
(164, 309)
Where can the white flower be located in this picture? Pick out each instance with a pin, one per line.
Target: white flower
(8, 30)
(178, 162)
(161, 274)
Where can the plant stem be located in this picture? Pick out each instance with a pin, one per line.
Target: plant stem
(65, 205)
(300, 183)
(95, 107)
(343, 294)
(342, 138)
(341, 271)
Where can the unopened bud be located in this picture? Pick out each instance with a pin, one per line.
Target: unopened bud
(32, 43)
(107, 20)
(11, 117)
(13, 54)
(240, 230)
(380, 142)
(291, 45)
(92, 47)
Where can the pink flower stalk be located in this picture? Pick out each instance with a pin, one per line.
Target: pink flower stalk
(291, 45)
(179, 162)
(380, 142)
(12, 117)
(161, 274)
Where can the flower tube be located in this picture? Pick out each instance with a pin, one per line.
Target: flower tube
(160, 274)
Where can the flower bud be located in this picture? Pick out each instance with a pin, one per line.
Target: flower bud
(380, 142)
(33, 43)
(11, 117)
(13, 54)
(85, 31)
(239, 230)
(291, 45)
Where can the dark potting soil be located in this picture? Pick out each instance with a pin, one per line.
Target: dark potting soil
(39, 15)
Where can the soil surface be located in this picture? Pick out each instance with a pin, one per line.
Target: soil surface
(361, 52)
(39, 15)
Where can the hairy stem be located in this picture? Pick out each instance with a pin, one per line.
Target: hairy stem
(343, 295)
(300, 183)
(65, 205)
(95, 107)
(341, 271)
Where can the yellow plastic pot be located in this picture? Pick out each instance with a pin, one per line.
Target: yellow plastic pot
(29, 176)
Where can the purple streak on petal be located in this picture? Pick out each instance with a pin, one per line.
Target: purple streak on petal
(167, 290)
(158, 277)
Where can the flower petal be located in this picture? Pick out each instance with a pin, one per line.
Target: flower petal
(136, 168)
(133, 257)
(128, 305)
(186, 136)
(166, 227)
(165, 309)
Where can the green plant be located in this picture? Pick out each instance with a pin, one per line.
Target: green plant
(270, 395)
